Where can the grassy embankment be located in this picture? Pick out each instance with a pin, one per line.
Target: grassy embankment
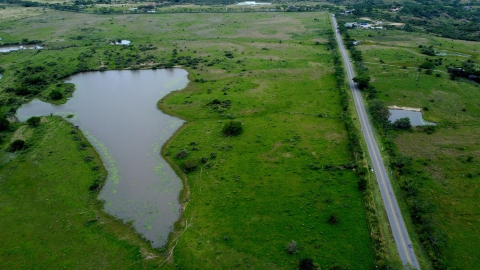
(442, 178)
(279, 181)
(49, 216)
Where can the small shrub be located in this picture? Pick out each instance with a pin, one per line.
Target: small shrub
(363, 81)
(33, 121)
(182, 154)
(232, 128)
(16, 146)
(4, 123)
(430, 129)
(189, 165)
(402, 123)
(82, 146)
(410, 186)
(403, 164)
(307, 264)
(362, 184)
(229, 54)
(56, 95)
(22, 91)
(428, 50)
(219, 104)
(95, 185)
(333, 219)
(292, 247)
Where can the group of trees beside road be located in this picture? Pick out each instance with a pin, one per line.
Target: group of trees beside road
(378, 240)
(431, 237)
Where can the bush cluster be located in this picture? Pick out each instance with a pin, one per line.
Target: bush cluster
(33, 121)
(17, 145)
(232, 128)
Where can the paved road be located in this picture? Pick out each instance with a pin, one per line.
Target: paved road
(400, 234)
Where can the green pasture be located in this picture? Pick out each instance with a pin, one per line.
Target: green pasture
(279, 181)
(445, 163)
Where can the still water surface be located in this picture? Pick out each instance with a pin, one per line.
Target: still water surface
(117, 112)
(416, 118)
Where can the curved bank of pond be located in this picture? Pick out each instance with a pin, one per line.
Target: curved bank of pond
(117, 112)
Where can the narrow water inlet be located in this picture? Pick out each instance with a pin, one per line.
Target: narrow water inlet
(116, 110)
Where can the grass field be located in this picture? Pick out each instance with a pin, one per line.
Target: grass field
(445, 163)
(269, 185)
(280, 180)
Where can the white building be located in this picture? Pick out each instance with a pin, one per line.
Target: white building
(252, 3)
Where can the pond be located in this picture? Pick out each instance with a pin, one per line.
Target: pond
(416, 118)
(10, 48)
(117, 112)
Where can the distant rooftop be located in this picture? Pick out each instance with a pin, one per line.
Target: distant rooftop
(252, 3)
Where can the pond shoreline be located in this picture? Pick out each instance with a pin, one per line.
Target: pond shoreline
(181, 224)
(156, 212)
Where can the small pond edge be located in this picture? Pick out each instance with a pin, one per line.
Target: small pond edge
(119, 228)
(181, 224)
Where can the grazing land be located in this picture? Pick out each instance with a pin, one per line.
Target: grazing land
(287, 172)
(440, 177)
(282, 190)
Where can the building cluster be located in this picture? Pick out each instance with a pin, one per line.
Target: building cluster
(364, 25)
(251, 3)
